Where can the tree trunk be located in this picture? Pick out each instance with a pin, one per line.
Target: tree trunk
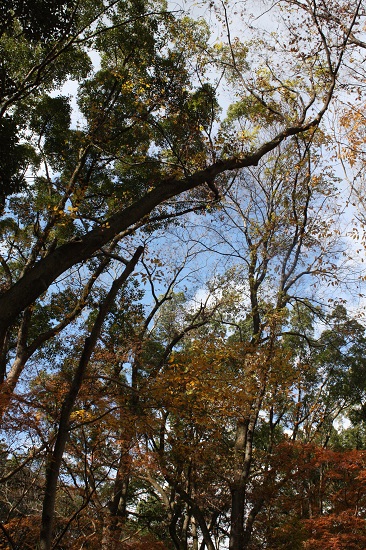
(243, 451)
(194, 534)
(54, 461)
(236, 541)
(237, 489)
(116, 512)
(196, 513)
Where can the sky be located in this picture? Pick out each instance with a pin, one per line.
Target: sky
(259, 14)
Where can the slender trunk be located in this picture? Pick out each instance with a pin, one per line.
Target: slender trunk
(243, 451)
(4, 339)
(185, 527)
(237, 488)
(250, 521)
(173, 529)
(210, 527)
(116, 512)
(195, 511)
(8, 384)
(194, 534)
(54, 462)
(245, 428)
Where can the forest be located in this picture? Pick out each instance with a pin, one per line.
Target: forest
(182, 275)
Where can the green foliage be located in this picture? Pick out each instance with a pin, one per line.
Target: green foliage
(51, 121)
(40, 20)
(15, 158)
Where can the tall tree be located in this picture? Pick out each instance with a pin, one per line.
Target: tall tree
(149, 148)
(162, 113)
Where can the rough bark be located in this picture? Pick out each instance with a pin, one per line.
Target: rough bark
(243, 452)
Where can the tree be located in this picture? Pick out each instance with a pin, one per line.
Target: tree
(151, 150)
(96, 151)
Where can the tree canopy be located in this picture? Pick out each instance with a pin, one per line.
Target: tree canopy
(182, 239)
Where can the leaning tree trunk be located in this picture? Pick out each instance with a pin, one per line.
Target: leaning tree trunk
(54, 461)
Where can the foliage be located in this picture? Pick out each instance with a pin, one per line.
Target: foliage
(178, 361)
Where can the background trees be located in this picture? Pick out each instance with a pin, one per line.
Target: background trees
(178, 400)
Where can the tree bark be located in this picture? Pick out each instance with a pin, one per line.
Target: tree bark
(237, 489)
(195, 511)
(243, 452)
(116, 512)
(194, 534)
(54, 462)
